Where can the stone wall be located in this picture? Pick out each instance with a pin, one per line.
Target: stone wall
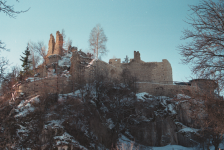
(41, 70)
(115, 62)
(150, 71)
(153, 77)
(53, 58)
(166, 89)
(46, 85)
(158, 72)
(207, 86)
(110, 71)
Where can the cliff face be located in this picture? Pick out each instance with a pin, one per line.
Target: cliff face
(81, 120)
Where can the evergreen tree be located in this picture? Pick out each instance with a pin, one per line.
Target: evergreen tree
(26, 61)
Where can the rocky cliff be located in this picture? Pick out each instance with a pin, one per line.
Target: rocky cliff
(83, 120)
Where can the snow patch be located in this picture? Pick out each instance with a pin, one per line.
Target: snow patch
(103, 108)
(25, 106)
(125, 144)
(66, 74)
(171, 109)
(183, 96)
(22, 129)
(54, 124)
(51, 73)
(143, 96)
(188, 129)
(91, 63)
(65, 60)
(110, 123)
(31, 79)
(66, 139)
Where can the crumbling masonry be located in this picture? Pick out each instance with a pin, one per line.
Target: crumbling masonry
(153, 77)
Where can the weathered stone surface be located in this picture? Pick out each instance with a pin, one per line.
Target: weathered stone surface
(51, 45)
(58, 44)
(137, 56)
(153, 77)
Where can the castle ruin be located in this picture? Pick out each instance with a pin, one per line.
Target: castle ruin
(154, 78)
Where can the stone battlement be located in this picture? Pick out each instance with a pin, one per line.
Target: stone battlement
(150, 75)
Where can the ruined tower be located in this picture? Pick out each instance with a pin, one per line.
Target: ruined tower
(51, 45)
(137, 56)
(59, 44)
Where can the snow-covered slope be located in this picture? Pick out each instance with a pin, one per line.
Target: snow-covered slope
(82, 120)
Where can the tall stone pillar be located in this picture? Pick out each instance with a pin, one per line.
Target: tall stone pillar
(59, 44)
(51, 45)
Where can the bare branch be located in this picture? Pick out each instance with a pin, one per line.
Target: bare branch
(97, 41)
(9, 9)
(205, 51)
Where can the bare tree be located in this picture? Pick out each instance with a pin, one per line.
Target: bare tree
(9, 9)
(38, 49)
(2, 46)
(205, 51)
(35, 59)
(35, 56)
(206, 112)
(9, 80)
(4, 63)
(66, 45)
(97, 41)
(15, 71)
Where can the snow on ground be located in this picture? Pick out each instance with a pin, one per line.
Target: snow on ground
(31, 79)
(110, 123)
(65, 60)
(182, 96)
(91, 63)
(66, 74)
(22, 129)
(171, 109)
(25, 106)
(51, 73)
(63, 97)
(125, 144)
(186, 129)
(54, 124)
(143, 96)
(66, 138)
(103, 108)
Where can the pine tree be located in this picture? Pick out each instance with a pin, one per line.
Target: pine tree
(26, 62)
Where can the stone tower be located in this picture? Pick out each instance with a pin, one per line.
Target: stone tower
(51, 45)
(59, 44)
(137, 56)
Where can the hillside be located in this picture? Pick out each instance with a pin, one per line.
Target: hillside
(114, 120)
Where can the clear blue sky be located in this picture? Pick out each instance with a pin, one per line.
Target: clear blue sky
(152, 27)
